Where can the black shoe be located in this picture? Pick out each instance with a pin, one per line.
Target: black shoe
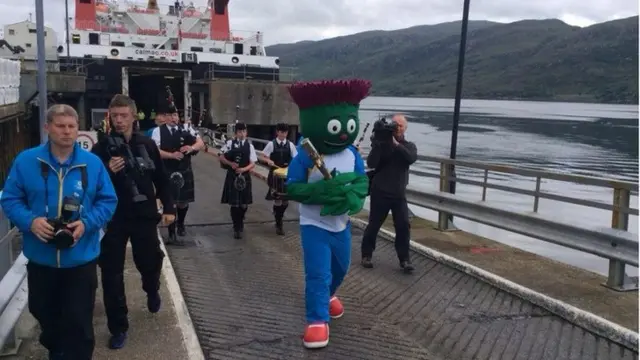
(181, 230)
(56, 355)
(407, 266)
(279, 230)
(153, 302)
(366, 262)
(172, 239)
(237, 234)
(117, 341)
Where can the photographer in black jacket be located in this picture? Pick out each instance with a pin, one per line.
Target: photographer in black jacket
(136, 216)
(390, 157)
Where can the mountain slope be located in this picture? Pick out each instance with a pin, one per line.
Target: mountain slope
(530, 59)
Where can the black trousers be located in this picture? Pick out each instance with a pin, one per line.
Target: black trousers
(62, 301)
(379, 209)
(147, 256)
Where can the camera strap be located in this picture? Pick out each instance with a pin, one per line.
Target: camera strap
(44, 172)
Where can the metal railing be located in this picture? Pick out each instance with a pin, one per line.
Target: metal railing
(13, 287)
(620, 206)
(282, 74)
(616, 243)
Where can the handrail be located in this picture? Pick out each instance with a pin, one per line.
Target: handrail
(604, 242)
(580, 179)
(616, 244)
(13, 287)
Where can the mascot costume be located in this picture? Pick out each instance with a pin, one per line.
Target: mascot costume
(328, 179)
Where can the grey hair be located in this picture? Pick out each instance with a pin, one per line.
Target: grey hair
(61, 110)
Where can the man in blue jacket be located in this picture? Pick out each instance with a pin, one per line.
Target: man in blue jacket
(59, 181)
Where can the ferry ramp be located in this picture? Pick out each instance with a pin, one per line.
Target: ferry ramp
(246, 298)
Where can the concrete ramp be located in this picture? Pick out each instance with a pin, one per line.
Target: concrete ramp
(246, 298)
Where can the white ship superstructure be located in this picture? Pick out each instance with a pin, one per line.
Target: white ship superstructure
(182, 33)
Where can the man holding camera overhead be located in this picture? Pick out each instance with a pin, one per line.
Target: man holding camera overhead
(135, 168)
(60, 196)
(390, 157)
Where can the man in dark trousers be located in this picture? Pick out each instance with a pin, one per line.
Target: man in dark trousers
(47, 183)
(278, 154)
(239, 157)
(391, 160)
(177, 143)
(136, 217)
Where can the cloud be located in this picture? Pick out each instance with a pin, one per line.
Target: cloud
(294, 20)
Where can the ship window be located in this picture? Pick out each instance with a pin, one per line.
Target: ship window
(136, 44)
(117, 43)
(32, 31)
(75, 38)
(216, 50)
(85, 1)
(12, 32)
(197, 48)
(28, 45)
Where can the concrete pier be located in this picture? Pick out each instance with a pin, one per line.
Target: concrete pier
(244, 299)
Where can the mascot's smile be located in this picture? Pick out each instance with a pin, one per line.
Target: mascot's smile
(341, 145)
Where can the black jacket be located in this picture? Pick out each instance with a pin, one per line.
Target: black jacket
(391, 164)
(149, 183)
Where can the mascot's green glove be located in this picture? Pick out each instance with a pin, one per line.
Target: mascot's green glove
(352, 200)
(343, 193)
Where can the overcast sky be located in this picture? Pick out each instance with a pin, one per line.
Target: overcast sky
(285, 21)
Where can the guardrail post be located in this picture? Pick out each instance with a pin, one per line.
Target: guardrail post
(443, 218)
(618, 279)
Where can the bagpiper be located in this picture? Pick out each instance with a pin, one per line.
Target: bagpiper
(238, 157)
(177, 143)
(278, 154)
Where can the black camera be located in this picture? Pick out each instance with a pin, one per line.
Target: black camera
(383, 130)
(62, 235)
(134, 166)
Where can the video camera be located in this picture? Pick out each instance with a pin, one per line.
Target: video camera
(134, 166)
(383, 130)
(62, 235)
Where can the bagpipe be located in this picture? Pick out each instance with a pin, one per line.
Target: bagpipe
(239, 182)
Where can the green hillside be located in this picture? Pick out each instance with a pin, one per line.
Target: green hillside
(529, 59)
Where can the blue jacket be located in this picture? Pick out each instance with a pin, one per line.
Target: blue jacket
(149, 132)
(23, 200)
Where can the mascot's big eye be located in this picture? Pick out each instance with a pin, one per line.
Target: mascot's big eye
(351, 126)
(334, 126)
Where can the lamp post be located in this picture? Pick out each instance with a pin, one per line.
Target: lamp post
(458, 99)
(42, 69)
(66, 12)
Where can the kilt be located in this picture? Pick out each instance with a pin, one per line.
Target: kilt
(234, 197)
(186, 194)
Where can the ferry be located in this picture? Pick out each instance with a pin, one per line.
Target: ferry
(143, 49)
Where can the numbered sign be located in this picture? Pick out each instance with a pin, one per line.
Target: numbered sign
(87, 139)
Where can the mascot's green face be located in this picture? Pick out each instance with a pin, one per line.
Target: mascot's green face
(331, 128)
